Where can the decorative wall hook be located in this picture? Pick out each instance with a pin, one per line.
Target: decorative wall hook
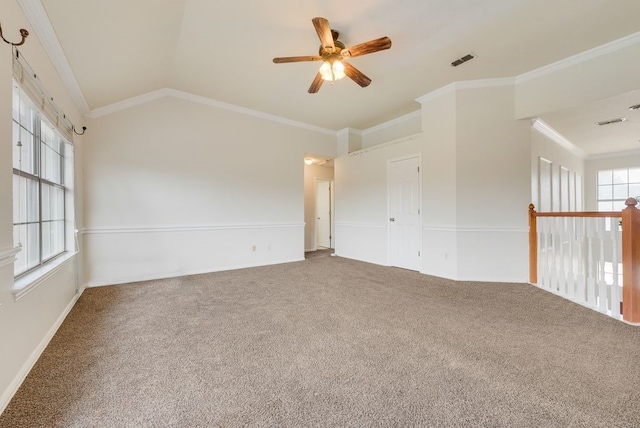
(84, 128)
(24, 33)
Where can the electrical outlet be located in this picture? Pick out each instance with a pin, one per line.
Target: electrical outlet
(268, 247)
(253, 247)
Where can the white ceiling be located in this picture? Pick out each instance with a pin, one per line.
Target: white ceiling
(223, 50)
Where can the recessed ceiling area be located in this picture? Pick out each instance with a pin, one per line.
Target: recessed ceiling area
(579, 126)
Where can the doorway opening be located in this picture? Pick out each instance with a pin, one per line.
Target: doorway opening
(319, 230)
(324, 214)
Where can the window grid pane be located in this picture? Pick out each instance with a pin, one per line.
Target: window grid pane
(605, 177)
(38, 192)
(615, 186)
(620, 176)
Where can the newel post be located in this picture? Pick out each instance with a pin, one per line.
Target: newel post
(533, 246)
(631, 262)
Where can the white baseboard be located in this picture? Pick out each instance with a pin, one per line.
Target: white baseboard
(8, 394)
(176, 274)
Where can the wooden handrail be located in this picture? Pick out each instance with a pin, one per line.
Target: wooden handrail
(579, 214)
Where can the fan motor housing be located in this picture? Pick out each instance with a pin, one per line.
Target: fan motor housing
(338, 44)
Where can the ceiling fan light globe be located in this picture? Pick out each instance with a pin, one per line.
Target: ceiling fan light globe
(325, 71)
(338, 70)
(332, 70)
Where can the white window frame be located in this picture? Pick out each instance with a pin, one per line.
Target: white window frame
(615, 185)
(47, 264)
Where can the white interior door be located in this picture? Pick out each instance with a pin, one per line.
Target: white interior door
(404, 213)
(323, 213)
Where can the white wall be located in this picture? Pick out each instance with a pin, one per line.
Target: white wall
(476, 188)
(439, 187)
(476, 184)
(557, 175)
(27, 323)
(175, 187)
(403, 126)
(493, 182)
(361, 200)
(311, 174)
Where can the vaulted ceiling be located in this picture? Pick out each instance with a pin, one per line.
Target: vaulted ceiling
(223, 49)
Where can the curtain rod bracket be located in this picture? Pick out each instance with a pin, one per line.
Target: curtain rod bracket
(84, 128)
(24, 33)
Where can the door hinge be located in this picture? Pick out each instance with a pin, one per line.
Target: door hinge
(418, 253)
(418, 169)
(418, 210)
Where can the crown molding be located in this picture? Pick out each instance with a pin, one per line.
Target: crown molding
(37, 17)
(346, 131)
(544, 128)
(596, 52)
(387, 144)
(466, 84)
(174, 93)
(451, 87)
(614, 155)
(485, 83)
(392, 122)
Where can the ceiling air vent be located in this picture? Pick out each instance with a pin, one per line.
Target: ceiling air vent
(612, 121)
(462, 60)
(635, 107)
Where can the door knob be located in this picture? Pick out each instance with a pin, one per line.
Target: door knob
(392, 219)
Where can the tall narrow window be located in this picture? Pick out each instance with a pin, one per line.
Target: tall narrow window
(40, 183)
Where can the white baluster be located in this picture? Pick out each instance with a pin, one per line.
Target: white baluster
(602, 285)
(591, 278)
(545, 247)
(562, 267)
(553, 283)
(571, 275)
(581, 293)
(542, 254)
(616, 251)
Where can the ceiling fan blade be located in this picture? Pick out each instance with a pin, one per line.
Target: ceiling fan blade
(315, 85)
(324, 33)
(284, 59)
(356, 75)
(367, 47)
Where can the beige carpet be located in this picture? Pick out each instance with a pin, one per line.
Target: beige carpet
(330, 342)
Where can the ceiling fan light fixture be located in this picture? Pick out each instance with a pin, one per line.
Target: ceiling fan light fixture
(332, 70)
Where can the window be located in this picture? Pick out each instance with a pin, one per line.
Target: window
(615, 186)
(40, 161)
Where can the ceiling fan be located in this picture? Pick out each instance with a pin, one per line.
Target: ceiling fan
(333, 54)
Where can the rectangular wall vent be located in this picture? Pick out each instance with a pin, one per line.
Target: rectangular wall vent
(462, 60)
(612, 121)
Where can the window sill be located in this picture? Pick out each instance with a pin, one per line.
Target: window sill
(23, 285)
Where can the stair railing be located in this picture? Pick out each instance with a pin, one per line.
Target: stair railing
(591, 258)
